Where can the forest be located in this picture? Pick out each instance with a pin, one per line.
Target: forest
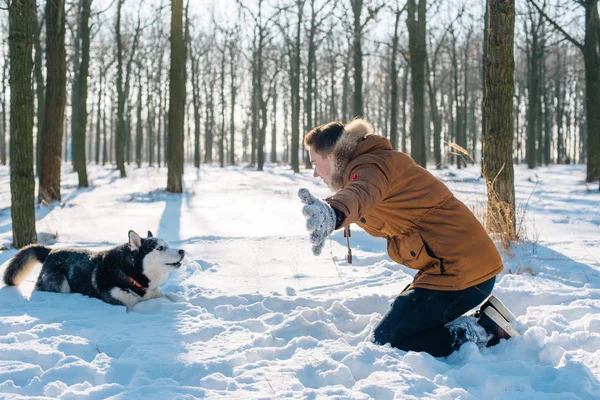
(172, 83)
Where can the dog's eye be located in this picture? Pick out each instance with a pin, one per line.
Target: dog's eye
(160, 248)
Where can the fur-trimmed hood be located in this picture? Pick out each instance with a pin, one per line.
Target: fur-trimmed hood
(345, 148)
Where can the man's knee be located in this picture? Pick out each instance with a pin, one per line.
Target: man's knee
(382, 337)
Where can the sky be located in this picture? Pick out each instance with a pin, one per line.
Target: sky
(252, 314)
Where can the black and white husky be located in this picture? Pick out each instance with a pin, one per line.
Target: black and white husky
(123, 275)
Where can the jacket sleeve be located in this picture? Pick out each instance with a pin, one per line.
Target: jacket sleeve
(365, 189)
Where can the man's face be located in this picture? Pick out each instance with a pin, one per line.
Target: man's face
(322, 165)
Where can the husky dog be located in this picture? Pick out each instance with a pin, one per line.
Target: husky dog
(123, 275)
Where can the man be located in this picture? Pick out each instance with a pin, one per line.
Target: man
(388, 195)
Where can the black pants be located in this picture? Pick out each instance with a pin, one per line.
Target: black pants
(418, 316)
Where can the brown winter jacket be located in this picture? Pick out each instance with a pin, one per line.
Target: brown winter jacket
(388, 195)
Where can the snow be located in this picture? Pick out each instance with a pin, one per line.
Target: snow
(252, 314)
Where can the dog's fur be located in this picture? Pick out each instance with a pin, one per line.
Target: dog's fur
(123, 275)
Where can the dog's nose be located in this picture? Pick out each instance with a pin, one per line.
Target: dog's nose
(182, 253)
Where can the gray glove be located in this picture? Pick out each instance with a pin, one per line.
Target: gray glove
(320, 219)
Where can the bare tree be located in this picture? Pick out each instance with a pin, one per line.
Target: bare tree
(123, 87)
(416, 23)
(233, 89)
(498, 131)
(53, 125)
(432, 86)
(39, 87)
(294, 55)
(591, 56)
(22, 182)
(80, 93)
(357, 52)
(393, 135)
(3, 116)
(176, 100)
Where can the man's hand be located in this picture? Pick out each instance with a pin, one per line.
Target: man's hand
(320, 219)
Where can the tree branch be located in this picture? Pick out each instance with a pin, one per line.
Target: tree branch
(556, 26)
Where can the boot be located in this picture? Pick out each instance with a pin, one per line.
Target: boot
(493, 301)
(468, 330)
(497, 325)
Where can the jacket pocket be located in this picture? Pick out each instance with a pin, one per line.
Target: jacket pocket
(372, 225)
(412, 252)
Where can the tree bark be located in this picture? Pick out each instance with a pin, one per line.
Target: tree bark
(80, 90)
(394, 84)
(196, 103)
(3, 117)
(39, 89)
(416, 30)
(233, 94)
(498, 106)
(53, 126)
(357, 58)
(139, 133)
(176, 100)
(22, 181)
(592, 79)
(120, 131)
(533, 96)
(404, 104)
(222, 135)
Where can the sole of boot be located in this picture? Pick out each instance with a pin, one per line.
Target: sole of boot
(498, 319)
(501, 308)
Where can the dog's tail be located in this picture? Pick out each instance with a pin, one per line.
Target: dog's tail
(23, 262)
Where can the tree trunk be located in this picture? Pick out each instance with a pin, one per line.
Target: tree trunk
(455, 102)
(104, 137)
(22, 181)
(534, 98)
(462, 132)
(333, 114)
(50, 162)
(120, 132)
(151, 119)
(404, 103)
(159, 114)
(435, 115)
(75, 60)
(176, 100)
(39, 89)
(346, 90)
(209, 121)
(80, 91)
(294, 76)
(394, 84)
(233, 94)
(274, 125)
(592, 85)
(262, 110)
(498, 106)
(196, 103)
(3, 117)
(416, 30)
(357, 108)
(222, 135)
(139, 134)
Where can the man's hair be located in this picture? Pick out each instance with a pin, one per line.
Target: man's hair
(323, 138)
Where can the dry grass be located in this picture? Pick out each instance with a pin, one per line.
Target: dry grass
(504, 224)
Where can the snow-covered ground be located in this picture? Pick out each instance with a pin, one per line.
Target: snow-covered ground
(256, 315)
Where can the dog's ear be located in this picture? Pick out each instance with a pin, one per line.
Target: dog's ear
(150, 234)
(135, 241)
